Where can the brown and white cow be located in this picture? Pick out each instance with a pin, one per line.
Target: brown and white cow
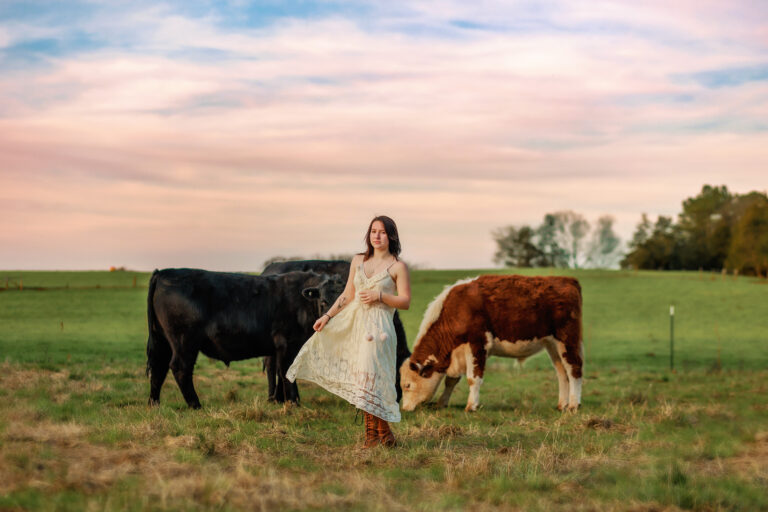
(509, 316)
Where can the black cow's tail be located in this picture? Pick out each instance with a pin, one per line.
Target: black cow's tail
(401, 352)
(156, 342)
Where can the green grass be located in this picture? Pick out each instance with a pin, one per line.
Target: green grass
(75, 431)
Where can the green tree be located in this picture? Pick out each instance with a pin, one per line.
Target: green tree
(705, 228)
(546, 240)
(517, 247)
(749, 245)
(654, 246)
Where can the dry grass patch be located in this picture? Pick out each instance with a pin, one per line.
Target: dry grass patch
(59, 385)
(57, 457)
(67, 434)
(751, 464)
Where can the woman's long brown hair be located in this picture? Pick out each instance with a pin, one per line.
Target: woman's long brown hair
(394, 239)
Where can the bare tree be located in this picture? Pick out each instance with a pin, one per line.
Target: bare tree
(570, 229)
(603, 247)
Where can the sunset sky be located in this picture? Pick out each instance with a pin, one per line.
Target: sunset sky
(217, 134)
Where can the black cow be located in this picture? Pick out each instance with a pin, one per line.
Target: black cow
(341, 269)
(229, 317)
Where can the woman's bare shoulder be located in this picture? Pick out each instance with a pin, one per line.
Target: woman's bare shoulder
(398, 267)
(356, 260)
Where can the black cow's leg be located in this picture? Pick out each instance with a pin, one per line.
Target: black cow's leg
(272, 383)
(182, 367)
(283, 362)
(276, 388)
(158, 370)
(292, 388)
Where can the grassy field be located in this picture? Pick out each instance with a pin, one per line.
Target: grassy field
(76, 434)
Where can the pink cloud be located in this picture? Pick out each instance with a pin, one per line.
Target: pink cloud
(307, 129)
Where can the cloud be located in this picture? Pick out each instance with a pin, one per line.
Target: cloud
(175, 128)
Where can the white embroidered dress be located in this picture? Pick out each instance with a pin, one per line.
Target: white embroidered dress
(354, 355)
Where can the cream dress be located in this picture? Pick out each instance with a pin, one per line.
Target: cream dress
(354, 355)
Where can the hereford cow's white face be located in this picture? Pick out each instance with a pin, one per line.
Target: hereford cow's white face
(419, 384)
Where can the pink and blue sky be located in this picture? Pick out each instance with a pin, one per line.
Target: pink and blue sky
(217, 134)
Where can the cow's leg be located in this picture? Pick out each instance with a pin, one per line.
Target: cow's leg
(562, 376)
(182, 366)
(158, 372)
(475, 367)
(283, 360)
(158, 363)
(569, 348)
(276, 393)
(450, 383)
(294, 392)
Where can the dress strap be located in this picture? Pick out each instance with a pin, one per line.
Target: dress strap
(389, 267)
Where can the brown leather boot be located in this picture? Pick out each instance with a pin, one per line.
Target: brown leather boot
(371, 433)
(386, 437)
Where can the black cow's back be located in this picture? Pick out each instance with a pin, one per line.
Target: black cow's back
(337, 267)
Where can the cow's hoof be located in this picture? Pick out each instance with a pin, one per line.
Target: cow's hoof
(153, 403)
(573, 408)
(195, 406)
(471, 408)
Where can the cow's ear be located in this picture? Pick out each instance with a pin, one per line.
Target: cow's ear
(311, 293)
(426, 371)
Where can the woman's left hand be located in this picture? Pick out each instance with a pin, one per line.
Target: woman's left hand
(368, 297)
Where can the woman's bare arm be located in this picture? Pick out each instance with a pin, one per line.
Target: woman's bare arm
(345, 298)
(402, 300)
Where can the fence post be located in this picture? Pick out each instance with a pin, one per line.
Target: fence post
(672, 337)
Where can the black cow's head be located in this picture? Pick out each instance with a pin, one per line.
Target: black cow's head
(323, 289)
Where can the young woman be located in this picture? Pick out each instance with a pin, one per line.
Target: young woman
(352, 353)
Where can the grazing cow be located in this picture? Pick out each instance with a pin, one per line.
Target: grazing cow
(508, 316)
(229, 317)
(339, 268)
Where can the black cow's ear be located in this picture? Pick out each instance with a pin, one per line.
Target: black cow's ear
(311, 293)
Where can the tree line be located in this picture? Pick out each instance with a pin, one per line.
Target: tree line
(716, 230)
(561, 240)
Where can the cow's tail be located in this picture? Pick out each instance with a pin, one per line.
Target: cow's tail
(156, 342)
(581, 320)
(401, 352)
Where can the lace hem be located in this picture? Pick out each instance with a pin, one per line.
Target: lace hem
(356, 396)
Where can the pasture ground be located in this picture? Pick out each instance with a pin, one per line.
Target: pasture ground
(76, 434)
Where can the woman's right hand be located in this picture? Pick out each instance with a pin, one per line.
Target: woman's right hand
(320, 323)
